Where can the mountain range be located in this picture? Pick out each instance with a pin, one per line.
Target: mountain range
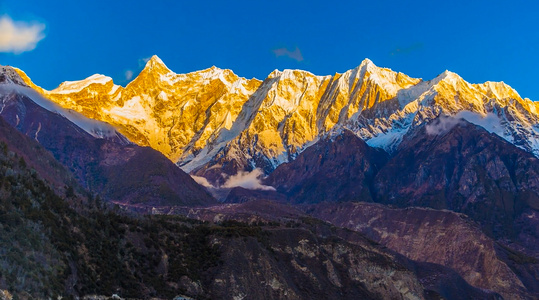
(215, 119)
(367, 184)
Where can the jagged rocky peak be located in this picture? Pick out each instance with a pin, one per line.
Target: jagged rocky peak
(155, 64)
(447, 75)
(388, 79)
(9, 75)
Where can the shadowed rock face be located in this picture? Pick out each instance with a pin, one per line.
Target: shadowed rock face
(9, 76)
(297, 264)
(117, 170)
(426, 235)
(314, 235)
(465, 169)
(335, 170)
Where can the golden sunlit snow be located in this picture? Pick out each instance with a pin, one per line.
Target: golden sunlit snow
(185, 115)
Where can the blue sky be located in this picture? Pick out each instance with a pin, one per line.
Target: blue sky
(479, 40)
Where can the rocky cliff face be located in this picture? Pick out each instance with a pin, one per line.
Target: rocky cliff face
(213, 118)
(438, 278)
(297, 264)
(448, 164)
(427, 235)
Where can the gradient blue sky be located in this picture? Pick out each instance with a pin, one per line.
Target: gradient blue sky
(479, 40)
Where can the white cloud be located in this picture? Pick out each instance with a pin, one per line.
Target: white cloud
(142, 61)
(247, 180)
(295, 55)
(442, 125)
(202, 181)
(128, 75)
(18, 37)
(489, 122)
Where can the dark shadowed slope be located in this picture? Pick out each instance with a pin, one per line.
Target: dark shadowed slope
(335, 169)
(36, 157)
(464, 169)
(435, 236)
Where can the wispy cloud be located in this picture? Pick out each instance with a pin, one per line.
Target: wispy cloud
(295, 55)
(128, 75)
(142, 61)
(202, 181)
(442, 125)
(406, 50)
(18, 37)
(490, 122)
(247, 180)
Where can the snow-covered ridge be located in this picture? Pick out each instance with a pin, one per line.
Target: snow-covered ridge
(69, 87)
(95, 128)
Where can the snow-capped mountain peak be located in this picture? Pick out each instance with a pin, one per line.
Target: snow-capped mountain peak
(156, 64)
(209, 119)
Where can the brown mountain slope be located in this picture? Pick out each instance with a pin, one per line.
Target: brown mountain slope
(428, 235)
(464, 169)
(335, 169)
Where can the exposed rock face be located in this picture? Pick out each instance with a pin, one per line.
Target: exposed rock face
(426, 235)
(457, 166)
(111, 166)
(213, 119)
(338, 169)
(295, 264)
(437, 280)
